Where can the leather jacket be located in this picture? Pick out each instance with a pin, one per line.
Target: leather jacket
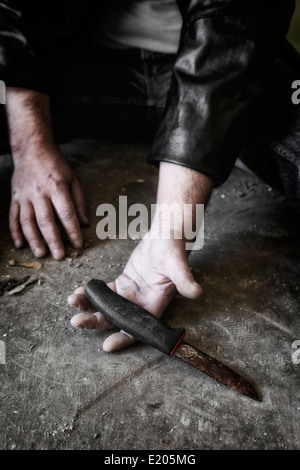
(222, 68)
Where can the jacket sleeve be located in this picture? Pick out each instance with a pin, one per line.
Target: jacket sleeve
(27, 38)
(223, 66)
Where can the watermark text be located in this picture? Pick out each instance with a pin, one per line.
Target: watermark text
(296, 94)
(296, 353)
(167, 221)
(2, 92)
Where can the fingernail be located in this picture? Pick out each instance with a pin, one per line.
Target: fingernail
(77, 243)
(86, 220)
(39, 252)
(58, 254)
(18, 243)
(72, 302)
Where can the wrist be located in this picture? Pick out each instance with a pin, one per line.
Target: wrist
(181, 197)
(183, 223)
(33, 151)
(29, 121)
(182, 185)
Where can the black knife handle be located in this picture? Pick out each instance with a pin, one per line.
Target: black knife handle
(132, 318)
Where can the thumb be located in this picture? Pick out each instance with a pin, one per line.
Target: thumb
(180, 274)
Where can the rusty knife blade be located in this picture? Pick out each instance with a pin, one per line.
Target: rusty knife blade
(214, 368)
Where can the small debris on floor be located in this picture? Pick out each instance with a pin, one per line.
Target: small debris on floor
(22, 286)
(25, 264)
(9, 284)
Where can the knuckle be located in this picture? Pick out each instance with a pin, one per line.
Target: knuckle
(33, 241)
(37, 188)
(58, 184)
(44, 220)
(54, 243)
(26, 219)
(67, 214)
(127, 286)
(13, 217)
(15, 196)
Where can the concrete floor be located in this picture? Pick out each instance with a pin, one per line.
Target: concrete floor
(59, 390)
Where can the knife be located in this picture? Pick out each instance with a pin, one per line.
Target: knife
(141, 324)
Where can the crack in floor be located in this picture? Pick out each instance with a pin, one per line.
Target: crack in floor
(134, 374)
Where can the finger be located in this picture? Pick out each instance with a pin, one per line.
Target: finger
(30, 230)
(84, 320)
(79, 290)
(180, 274)
(14, 224)
(126, 287)
(103, 323)
(79, 202)
(118, 341)
(49, 229)
(81, 302)
(95, 321)
(67, 214)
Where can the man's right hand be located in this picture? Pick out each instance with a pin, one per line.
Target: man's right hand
(158, 266)
(44, 186)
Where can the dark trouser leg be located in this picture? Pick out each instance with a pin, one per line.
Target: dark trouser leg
(113, 95)
(274, 150)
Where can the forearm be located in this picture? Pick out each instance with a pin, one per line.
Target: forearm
(179, 186)
(29, 120)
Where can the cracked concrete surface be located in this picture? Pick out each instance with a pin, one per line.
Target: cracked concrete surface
(60, 390)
